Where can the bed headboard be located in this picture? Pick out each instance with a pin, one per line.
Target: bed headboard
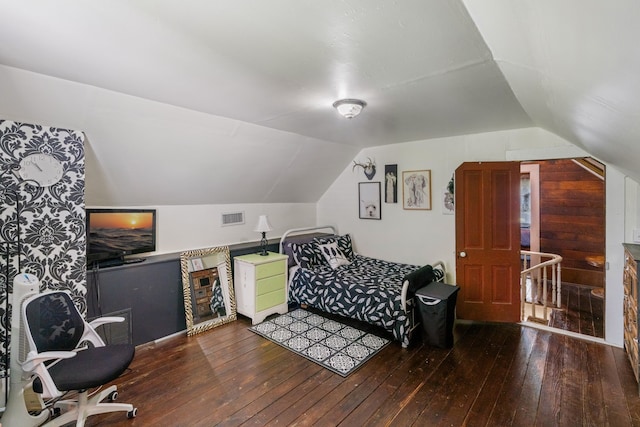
(301, 236)
(305, 230)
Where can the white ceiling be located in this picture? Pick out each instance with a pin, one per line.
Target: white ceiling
(242, 89)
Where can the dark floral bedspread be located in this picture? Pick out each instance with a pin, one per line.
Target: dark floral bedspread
(368, 289)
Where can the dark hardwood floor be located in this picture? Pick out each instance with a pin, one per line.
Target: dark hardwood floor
(580, 311)
(495, 375)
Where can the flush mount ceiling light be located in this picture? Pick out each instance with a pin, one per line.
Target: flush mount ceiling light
(349, 108)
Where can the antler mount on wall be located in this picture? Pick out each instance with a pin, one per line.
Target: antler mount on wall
(369, 168)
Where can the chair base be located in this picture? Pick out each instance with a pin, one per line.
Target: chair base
(84, 407)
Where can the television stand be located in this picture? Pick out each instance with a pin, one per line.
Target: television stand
(152, 290)
(111, 262)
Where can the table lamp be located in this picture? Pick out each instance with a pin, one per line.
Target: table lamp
(262, 227)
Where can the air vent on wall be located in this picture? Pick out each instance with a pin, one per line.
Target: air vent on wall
(233, 218)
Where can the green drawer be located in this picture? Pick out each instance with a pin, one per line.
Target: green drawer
(270, 284)
(269, 300)
(270, 269)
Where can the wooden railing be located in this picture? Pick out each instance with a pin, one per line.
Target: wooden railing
(535, 267)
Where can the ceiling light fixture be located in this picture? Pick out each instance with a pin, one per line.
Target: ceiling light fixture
(349, 108)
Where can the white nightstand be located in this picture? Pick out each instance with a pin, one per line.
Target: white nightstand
(261, 285)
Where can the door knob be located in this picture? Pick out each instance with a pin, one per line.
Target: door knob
(463, 254)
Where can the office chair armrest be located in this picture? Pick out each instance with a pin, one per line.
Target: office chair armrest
(90, 333)
(34, 364)
(104, 320)
(34, 359)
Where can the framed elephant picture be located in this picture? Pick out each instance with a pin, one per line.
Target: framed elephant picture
(416, 190)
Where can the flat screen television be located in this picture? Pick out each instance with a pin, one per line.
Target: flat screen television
(113, 234)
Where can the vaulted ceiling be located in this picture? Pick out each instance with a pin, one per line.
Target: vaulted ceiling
(229, 101)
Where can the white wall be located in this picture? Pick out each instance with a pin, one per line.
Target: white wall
(632, 208)
(615, 236)
(182, 228)
(426, 236)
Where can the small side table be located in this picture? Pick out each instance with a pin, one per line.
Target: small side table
(261, 285)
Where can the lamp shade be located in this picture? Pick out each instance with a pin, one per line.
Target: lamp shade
(263, 224)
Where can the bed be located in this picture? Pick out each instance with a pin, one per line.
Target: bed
(325, 273)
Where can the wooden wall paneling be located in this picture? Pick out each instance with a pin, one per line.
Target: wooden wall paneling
(572, 217)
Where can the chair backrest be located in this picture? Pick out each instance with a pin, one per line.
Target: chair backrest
(53, 321)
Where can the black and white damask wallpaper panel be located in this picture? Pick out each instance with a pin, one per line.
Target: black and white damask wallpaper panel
(49, 222)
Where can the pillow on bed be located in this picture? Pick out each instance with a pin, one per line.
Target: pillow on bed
(344, 244)
(333, 255)
(305, 255)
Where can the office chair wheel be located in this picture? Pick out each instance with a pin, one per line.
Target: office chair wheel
(112, 396)
(132, 414)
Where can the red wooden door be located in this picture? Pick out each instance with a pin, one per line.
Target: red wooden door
(488, 241)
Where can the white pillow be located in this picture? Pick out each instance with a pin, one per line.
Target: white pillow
(333, 254)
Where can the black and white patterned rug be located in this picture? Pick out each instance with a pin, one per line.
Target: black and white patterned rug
(331, 344)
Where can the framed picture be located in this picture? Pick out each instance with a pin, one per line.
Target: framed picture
(448, 201)
(391, 183)
(369, 200)
(416, 190)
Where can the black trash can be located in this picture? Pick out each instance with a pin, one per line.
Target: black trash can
(437, 305)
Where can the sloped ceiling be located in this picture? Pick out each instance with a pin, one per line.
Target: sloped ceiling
(229, 101)
(574, 66)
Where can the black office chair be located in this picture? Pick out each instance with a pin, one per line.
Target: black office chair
(66, 354)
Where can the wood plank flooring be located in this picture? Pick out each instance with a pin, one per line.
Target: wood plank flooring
(495, 375)
(581, 311)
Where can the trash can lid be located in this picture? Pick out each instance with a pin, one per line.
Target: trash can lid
(438, 290)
